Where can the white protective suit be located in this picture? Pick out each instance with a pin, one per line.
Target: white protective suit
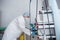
(15, 28)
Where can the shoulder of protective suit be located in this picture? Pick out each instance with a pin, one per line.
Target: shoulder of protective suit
(20, 18)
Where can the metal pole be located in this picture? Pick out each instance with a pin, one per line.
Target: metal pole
(30, 15)
(36, 16)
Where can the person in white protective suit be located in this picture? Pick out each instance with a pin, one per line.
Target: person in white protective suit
(15, 28)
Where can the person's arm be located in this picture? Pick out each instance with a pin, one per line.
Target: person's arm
(21, 23)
